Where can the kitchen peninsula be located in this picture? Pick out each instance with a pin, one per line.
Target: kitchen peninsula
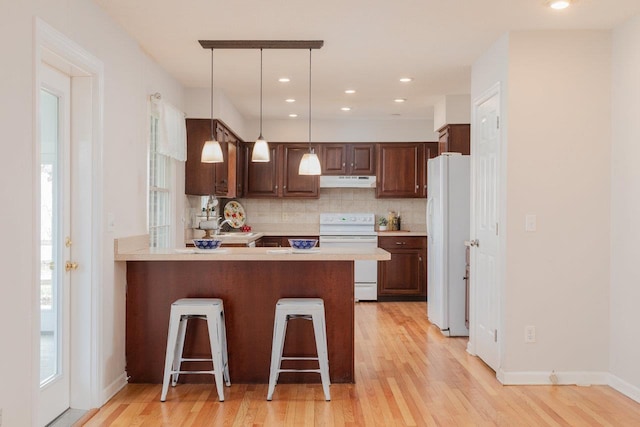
(249, 281)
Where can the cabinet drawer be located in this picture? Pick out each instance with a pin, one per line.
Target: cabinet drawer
(399, 242)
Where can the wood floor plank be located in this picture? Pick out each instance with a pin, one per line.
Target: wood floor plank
(407, 374)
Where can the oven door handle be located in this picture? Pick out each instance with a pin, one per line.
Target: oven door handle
(347, 240)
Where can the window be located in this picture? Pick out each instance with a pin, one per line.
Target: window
(160, 177)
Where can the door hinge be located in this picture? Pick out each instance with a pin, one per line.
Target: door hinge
(497, 122)
(496, 228)
(495, 335)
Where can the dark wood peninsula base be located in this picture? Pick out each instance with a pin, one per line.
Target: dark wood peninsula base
(249, 290)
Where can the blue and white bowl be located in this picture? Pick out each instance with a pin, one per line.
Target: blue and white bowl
(207, 244)
(303, 243)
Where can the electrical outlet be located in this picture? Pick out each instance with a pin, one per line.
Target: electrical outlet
(529, 334)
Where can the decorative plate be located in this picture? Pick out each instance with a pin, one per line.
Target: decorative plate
(234, 212)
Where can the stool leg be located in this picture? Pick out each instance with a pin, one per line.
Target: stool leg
(320, 334)
(216, 353)
(279, 332)
(225, 356)
(177, 358)
(172, 336)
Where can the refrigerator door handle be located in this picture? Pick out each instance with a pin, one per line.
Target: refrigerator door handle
(429, 215)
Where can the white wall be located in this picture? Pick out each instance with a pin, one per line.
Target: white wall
(198, 106)
(556, 139)
(625, 208)
(452, 109)
(297, 130)
(130, 77)
(557, 278)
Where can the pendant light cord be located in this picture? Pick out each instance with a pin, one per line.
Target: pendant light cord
(212, 131)
(260, 93)
(310, 100)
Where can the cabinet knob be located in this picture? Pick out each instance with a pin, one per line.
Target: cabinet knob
(417, 187)
(276, 187)
(344, 164)
(352, 164)
(284, 187)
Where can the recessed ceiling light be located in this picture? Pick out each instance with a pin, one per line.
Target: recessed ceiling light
(399, 100)
(293, 115)
(350, 91)
(284, 79)
(346, 108)
(559, 4)
(290, 100)
(406, 79)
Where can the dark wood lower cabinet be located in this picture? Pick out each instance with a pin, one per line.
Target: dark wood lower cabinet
(404, 278)
(280, 241)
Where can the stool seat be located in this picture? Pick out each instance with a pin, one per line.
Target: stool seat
(299, 308)
(211, 310)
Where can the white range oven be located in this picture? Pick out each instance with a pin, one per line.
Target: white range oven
(338, 230)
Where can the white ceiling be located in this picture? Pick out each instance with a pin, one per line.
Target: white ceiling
(368, 46)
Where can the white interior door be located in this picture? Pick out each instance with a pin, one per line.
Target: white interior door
(484, 213)
(55, 243)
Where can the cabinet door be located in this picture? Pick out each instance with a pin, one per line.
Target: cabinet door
(225, 173)
(294, 184)
(261, 179)
(402, 275)
(455, 139)
(363, 159)
(400, 170)
(333, 159)
(430, 151)
(199, 177)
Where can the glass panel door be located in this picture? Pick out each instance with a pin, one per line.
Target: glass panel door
(50, 260)
(55, 265)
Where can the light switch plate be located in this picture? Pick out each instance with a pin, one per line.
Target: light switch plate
(530, 222)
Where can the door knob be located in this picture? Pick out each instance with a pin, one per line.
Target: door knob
(70, 265)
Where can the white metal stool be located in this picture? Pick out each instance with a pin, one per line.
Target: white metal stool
(211, 310)
(299, 308)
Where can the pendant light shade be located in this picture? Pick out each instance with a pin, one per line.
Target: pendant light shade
(310, 163)
(261, 147)
(211, 151)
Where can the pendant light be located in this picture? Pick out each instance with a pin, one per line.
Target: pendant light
(211, 151)
(309, 164)
(261, 147)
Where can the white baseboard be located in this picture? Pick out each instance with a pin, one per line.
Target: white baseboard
(624, 387)
(110, 391)
(543, 378)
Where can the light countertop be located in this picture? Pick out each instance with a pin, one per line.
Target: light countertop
(136, 249)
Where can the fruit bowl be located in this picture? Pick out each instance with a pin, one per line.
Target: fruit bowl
(303, 243)
(207, 244)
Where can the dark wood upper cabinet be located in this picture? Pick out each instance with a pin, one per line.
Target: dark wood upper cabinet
(279, 177)
(348, 159)
(430, 151)
(294, 184)
(220, 179)
(260, 178)
(455, 139)
(400, 170)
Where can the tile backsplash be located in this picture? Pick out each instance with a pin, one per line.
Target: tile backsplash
(303, 215)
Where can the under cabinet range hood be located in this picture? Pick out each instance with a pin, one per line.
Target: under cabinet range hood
(347, 181)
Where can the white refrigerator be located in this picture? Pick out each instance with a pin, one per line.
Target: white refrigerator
(448, 184)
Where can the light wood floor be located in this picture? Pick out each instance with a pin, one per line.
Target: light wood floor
(407, 374)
